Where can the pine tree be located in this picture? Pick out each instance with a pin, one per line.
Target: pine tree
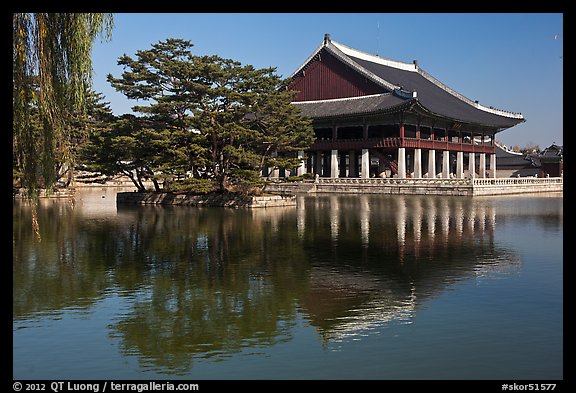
(224, 119)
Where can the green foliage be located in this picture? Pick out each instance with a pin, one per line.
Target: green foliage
(193, 186)
(303, 177)
(132, 147)
(51, 74)
(214, 117)
(246, 181)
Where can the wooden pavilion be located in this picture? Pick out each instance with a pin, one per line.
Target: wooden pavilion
(375, 117)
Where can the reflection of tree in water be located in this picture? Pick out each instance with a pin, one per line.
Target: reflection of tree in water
(213, 286)
(57, 272)
(207, 283)
(200, 283)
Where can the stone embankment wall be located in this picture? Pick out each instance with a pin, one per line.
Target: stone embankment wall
(460, 187)
(367, 188)
(210, 200)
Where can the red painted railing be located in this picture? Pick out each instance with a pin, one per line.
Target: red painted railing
(395, 142)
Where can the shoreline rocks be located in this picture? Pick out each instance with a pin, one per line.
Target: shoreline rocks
(208, 200)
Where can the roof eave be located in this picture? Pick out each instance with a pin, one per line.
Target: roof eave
(500, 127)
(392, 109)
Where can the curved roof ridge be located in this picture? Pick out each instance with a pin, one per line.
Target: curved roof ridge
(475, 104)
(344, 57)
(335, 50)
(375, 59)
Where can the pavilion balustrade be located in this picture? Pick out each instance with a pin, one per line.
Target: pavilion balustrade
(396, 142)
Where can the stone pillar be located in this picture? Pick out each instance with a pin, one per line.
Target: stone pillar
(472, 165)
(460, 165)
(446, 164)
(418, 163)
(352, 164)
(318, 166)
(334, 164)
(431, 163)
(482, 169)
(365, 164)
(402, 163)
(302, 167)
(493, 165)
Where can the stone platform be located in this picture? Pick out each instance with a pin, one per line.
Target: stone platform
(209, 200)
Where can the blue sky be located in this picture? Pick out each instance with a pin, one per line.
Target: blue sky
(509, 61)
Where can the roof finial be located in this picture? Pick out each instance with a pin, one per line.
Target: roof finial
(326, 38)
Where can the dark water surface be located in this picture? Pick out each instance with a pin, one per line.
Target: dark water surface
(352, 287)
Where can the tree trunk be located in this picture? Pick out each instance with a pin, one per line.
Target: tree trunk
(135, 181)
(223, 182)
(130, 174)
(69, 177)
(156, 185)
(139, 178)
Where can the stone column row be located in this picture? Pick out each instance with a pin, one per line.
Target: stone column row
(482, 172)
(337, 164)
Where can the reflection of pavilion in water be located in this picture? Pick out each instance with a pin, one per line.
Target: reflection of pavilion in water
(412, 248)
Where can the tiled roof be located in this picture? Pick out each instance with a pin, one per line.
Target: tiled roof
(553, 153)
(406, 82)
(435, 98)
(511, 160)
(376, 103)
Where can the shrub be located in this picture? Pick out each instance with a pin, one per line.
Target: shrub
(247, 181)
(193, 186)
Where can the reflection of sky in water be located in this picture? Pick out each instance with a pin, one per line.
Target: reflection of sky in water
(180, 288)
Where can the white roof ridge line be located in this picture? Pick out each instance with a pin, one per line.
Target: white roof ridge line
(335, 50)
(342, 98)
(475, 104)
(375, 59)
(345, 57)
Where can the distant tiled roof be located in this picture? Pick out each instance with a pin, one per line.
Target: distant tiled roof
(510, 160)
(414, 83)
(552, 153)
(376, 103)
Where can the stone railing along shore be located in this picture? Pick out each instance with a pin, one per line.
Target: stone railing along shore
(425, 186)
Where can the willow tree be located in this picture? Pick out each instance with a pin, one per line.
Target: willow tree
(52, 70)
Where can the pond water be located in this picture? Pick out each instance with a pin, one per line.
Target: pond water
(337, 287)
